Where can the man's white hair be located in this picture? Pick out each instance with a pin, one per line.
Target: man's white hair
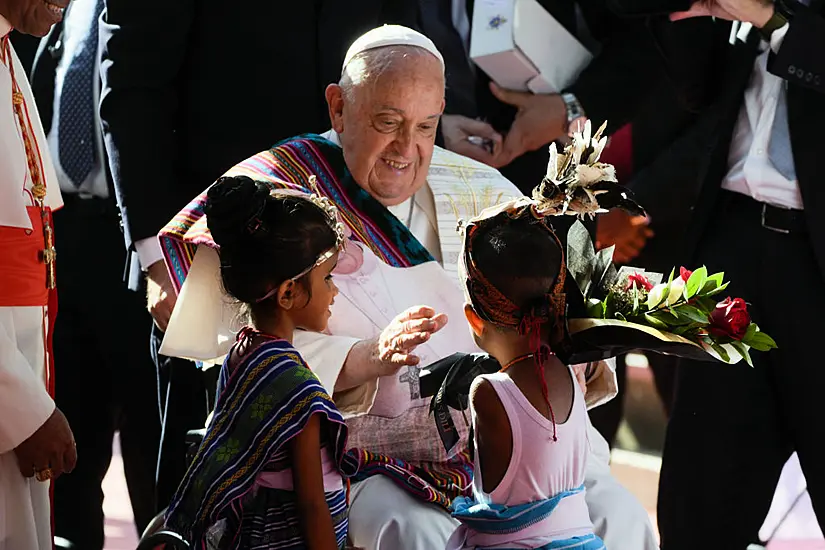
(367, 66)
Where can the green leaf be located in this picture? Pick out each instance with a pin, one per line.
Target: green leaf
(687, 330)
(692, 313)
(742, 349)
(670, 278)
(580, 257)
(761, 342)
(753, 328)
(651, 320)
(601, 266)
(708, 287)
(717, 290)
(635, 301)
(695, 282)
(670, 318)
(723, 354)
(596, 309)
(704, 304)
(620, 317)
(718, 278)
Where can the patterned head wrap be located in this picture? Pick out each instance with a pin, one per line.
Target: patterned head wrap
(489, 302)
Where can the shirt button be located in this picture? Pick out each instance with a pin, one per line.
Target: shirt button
(760, 152)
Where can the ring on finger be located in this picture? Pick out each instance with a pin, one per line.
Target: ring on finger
(43, 475)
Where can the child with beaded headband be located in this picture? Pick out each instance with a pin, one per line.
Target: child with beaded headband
(271, 471)
(530, 418)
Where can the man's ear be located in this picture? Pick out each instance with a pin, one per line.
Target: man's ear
(335, 105)
(476, 324)
(286, 294)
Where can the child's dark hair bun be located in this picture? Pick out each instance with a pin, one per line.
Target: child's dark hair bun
(234, 209)
(264, 239)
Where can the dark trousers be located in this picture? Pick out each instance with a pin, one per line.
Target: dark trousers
(607, 418)
(734, 426)
(104, 378)
(185, 397)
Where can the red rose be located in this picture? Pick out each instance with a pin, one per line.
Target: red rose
(685, 274)
(730, 318)
(637, 280)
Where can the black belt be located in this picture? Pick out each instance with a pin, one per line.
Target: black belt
(90, 206)
(778, 219)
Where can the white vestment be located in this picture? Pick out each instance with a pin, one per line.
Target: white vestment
(25, 517)
(383, 516)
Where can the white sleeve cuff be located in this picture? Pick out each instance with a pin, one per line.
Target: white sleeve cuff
(326, 356)
(778, 37)
(149, 252)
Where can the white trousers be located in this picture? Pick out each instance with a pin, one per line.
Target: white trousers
(383, 516)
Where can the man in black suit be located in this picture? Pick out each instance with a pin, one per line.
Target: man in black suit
(192, 87)
(748, 178)
(107, 379)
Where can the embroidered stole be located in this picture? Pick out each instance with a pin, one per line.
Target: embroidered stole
(288, 165)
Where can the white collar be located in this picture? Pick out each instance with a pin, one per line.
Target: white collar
(332, 136)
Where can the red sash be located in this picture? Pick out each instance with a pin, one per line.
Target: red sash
(22, 271)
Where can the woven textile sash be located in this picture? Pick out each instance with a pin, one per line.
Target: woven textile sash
(289, 165)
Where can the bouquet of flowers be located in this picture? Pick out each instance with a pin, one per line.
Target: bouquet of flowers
(685, 310)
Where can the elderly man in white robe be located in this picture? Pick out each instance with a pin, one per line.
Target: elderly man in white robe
(384, 114)
(36, 443)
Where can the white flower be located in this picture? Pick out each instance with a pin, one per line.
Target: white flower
(553, 164)
(657, 293)
(598, 147)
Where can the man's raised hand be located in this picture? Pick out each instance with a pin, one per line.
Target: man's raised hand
(410, 329)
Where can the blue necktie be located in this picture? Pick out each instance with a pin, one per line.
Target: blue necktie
(779, 148)
(76, 132)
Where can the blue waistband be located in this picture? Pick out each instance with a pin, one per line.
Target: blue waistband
(501, 519)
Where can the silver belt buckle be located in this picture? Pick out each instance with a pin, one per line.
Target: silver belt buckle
(770, 227)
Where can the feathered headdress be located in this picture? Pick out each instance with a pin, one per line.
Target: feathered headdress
(578, 184)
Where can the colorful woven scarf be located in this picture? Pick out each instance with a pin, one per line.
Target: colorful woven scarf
(289, 165)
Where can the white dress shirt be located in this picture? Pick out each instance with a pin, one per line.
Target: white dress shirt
(750, 171)
(76, 25)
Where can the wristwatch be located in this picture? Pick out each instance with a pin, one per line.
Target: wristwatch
(576, 116)
(783, 12)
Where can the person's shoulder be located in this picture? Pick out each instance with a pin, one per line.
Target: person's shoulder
(279, 357)
(485, 400)
(309, 139)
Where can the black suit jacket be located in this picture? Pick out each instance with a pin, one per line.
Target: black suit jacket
(191, 87)
(43, 74)
(683, 184)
